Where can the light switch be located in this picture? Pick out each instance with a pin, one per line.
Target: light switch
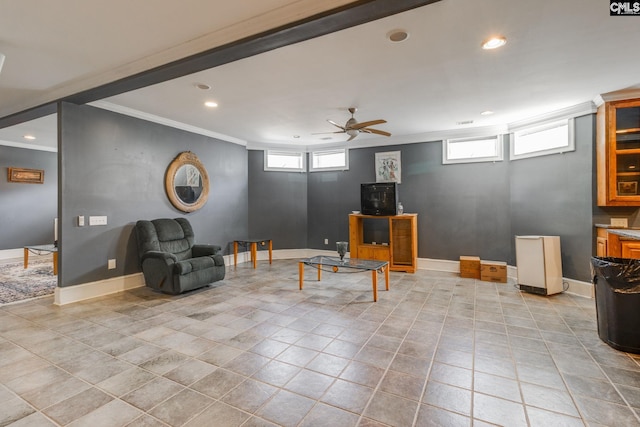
(81, 221)
(97, 220)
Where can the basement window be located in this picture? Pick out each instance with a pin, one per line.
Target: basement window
(288, 161)
(550, 138)
(330, 160)
(472, 150)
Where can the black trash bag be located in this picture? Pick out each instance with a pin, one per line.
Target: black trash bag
(621, 274)
(616, 283)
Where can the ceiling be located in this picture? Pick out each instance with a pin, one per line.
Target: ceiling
(558, 55)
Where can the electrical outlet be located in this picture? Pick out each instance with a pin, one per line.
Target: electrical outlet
(619, 222)
(326, 241)
(111, 264)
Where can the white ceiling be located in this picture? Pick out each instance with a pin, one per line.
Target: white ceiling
(559, 54)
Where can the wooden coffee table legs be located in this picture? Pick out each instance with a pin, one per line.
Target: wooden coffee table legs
(374, 281)
(253, 245)
(301, 273)
(55, 261)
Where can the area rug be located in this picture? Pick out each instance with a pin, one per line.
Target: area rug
(19, 284)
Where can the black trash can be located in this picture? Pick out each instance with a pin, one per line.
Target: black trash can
(617, 287)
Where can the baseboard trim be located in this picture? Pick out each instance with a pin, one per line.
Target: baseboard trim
(263, 255)
(11, 253)
(578, 288)
(71, 294)
(85, 291)
(574, 287)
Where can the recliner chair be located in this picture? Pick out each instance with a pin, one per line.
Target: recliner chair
(171, 261)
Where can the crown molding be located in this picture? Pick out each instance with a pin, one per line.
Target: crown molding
(564, 113)
(164, 121)
(28, 146)
(616, 95)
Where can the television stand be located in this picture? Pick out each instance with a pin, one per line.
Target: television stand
(402, 251)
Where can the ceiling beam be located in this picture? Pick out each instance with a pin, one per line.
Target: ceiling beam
(353, 14)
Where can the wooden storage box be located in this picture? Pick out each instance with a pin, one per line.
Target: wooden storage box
(493, 271)
(470, 267)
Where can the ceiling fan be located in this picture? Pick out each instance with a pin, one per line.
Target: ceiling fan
(353, 128)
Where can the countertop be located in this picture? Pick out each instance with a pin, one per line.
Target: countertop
(614, 227)
(626, 232)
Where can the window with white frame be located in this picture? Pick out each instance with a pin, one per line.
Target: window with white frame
(549, 138)
(290, 161)
(326, 160)
(471, 150)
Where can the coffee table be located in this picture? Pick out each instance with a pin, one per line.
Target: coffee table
(40, 250)
(348, 265)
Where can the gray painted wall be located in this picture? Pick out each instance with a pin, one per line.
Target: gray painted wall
(277, 205)
(115, 165)
(552, 195)
(462, 209)
(27, 210)
(466, 209)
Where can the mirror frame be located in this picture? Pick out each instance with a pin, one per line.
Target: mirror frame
(186, 158)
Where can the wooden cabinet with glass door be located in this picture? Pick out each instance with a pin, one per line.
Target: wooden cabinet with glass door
(618, 153)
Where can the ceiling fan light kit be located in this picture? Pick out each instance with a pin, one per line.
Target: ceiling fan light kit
(353, 128)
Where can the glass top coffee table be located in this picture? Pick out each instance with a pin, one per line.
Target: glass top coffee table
(348, 265)
(40, 250)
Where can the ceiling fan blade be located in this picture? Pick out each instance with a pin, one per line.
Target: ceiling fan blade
(367, 124)
(376, 131)
(337, 125)
(324, 133)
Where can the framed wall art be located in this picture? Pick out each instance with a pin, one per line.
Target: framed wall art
(27, 176)
(388, 167)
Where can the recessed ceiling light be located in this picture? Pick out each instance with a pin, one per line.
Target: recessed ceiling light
(211, 104)
(29, 137)
(494, 42)
(397, 36)
(487, 113)
(202, 86)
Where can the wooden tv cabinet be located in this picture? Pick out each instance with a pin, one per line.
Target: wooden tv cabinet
(402, 249)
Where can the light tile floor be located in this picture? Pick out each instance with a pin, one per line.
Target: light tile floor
(253, 350)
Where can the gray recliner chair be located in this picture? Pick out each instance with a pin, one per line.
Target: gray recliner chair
(171, 261)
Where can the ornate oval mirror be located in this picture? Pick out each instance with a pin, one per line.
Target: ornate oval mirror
(187, 182)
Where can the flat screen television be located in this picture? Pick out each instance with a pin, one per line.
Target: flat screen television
(380, 198)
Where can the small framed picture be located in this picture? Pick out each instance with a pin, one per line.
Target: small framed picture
(29, 176)
(627, 188)
(388, 167)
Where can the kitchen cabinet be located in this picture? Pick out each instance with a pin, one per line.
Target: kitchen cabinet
(630, 249)
(618, 153)
(618, 243)
(601, 243)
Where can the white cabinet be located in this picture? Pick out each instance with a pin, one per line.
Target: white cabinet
(539, 264)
